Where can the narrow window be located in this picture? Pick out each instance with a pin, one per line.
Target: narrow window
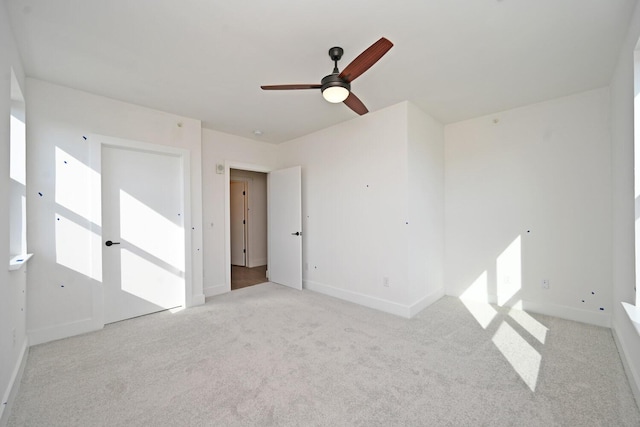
(17, 172)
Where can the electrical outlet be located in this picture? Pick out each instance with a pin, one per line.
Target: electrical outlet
(545, 283)
(385, 282)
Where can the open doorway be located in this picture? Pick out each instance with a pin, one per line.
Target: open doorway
(248, 227)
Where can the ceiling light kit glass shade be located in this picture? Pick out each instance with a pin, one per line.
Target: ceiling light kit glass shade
(334, 89)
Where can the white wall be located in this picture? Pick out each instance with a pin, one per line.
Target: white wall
(622, 130)
(425, 139)
(528, 197)
(356, 211)
(63, 295)
(12, 283)
(256, 215)
(232, 151)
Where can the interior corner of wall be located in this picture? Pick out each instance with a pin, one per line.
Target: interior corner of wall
(14, 384)
(426, 301)
(624, 342)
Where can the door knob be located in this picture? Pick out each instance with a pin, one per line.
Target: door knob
(109, 243)
(297, 233)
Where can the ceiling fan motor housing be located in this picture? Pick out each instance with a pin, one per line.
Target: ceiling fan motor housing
(335, 87)
(334, 80)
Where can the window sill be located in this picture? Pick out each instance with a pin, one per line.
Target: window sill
(634, 315)
(18, 261)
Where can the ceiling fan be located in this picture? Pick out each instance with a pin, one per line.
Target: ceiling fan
(336, 87)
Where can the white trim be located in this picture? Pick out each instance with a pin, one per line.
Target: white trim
(258, 262)
(598, 318)
(14, 384)
(425, 302)
(245, 195)
(197, 300)
(57, 332)
(96, 143)
(634, 315)
(228, 165)
(17, 261)
(360, 299)
(211, 291)
(632, 375)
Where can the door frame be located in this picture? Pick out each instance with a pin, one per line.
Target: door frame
(228, 165)
(96, 143)
(245, 213)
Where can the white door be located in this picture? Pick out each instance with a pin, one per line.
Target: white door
(285, 227)
(237, 200)
(143, 232)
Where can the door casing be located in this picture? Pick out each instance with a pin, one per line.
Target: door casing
(96, 142)
(238, 241)
(228, 165)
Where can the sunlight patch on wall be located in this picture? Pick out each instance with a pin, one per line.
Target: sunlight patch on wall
(147, 280)
(475, 299)
(75, 246)
(524, 359)
(75, 185)
(509, 272)
(477, 291)
(148, 230)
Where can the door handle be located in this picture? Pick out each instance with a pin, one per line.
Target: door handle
(297, 233)
(109, 243)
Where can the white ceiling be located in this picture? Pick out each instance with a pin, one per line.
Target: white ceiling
(206, 59)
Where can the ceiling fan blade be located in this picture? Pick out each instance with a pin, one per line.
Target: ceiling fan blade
(366, 59)
(290, 87)
(355, 104)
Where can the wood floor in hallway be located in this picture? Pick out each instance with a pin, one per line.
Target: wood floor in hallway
(241, 277)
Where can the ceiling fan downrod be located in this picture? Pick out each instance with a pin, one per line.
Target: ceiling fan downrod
(335, 53)
(334, 88)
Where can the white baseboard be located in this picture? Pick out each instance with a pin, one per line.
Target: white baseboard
(598, 318)
(257, 262)
(621, 334)
(40, 336)
(387, 306)
(425, 302)
(197, 300)
(569, 313)
(211, 291)
(14, 384)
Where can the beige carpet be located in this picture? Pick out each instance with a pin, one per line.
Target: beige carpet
(267, 355)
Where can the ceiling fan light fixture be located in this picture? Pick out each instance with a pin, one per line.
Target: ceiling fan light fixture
(335, 94)
(334, 89)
